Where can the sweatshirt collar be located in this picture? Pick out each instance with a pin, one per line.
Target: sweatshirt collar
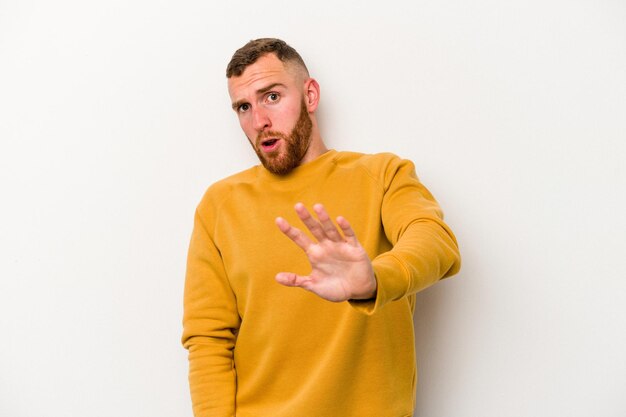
(301, 171)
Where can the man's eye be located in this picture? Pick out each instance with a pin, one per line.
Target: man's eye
(244, 107)
(272, 97)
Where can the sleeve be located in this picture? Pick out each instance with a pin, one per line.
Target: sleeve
(210, 324)
(424, 248)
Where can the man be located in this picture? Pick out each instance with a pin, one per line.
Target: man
(344, 345)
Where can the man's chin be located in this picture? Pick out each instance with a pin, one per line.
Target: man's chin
(279, 169)
(278, 164)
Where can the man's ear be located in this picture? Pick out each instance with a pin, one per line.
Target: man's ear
(311, 94)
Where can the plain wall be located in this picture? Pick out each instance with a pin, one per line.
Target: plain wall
(114, 118)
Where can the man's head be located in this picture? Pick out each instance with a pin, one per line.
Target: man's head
(275, 100)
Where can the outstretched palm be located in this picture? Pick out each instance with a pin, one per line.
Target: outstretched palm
(340, 267)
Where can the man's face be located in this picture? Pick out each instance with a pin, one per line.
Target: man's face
(269, 100)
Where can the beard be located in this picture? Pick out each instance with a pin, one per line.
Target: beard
(295, 146)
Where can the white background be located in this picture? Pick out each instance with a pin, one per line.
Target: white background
(114, 118)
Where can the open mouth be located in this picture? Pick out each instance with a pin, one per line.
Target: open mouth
(269, 145)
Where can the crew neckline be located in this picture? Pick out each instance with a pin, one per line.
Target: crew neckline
(301, 171)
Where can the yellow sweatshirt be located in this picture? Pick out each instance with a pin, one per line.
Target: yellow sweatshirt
(258, 349)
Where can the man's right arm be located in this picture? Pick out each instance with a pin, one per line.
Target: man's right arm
(210, 324)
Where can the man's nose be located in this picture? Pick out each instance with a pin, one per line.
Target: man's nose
(261, 119)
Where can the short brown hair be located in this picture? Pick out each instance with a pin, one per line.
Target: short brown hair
(253, 50)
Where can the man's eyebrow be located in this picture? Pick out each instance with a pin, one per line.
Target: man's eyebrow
(269, 87)
(237, 103)
(263, 90)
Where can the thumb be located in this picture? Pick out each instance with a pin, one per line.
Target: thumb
(290, 279)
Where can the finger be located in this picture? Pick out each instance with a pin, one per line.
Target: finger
(313, 225)
(329, 227)
(290, 279)
(293, 233)
(347, 231)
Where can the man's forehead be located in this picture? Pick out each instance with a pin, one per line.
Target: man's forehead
(267, 69)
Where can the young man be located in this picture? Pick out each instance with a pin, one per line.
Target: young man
(344, 347)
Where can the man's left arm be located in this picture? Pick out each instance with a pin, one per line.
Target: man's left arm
(424, 248)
